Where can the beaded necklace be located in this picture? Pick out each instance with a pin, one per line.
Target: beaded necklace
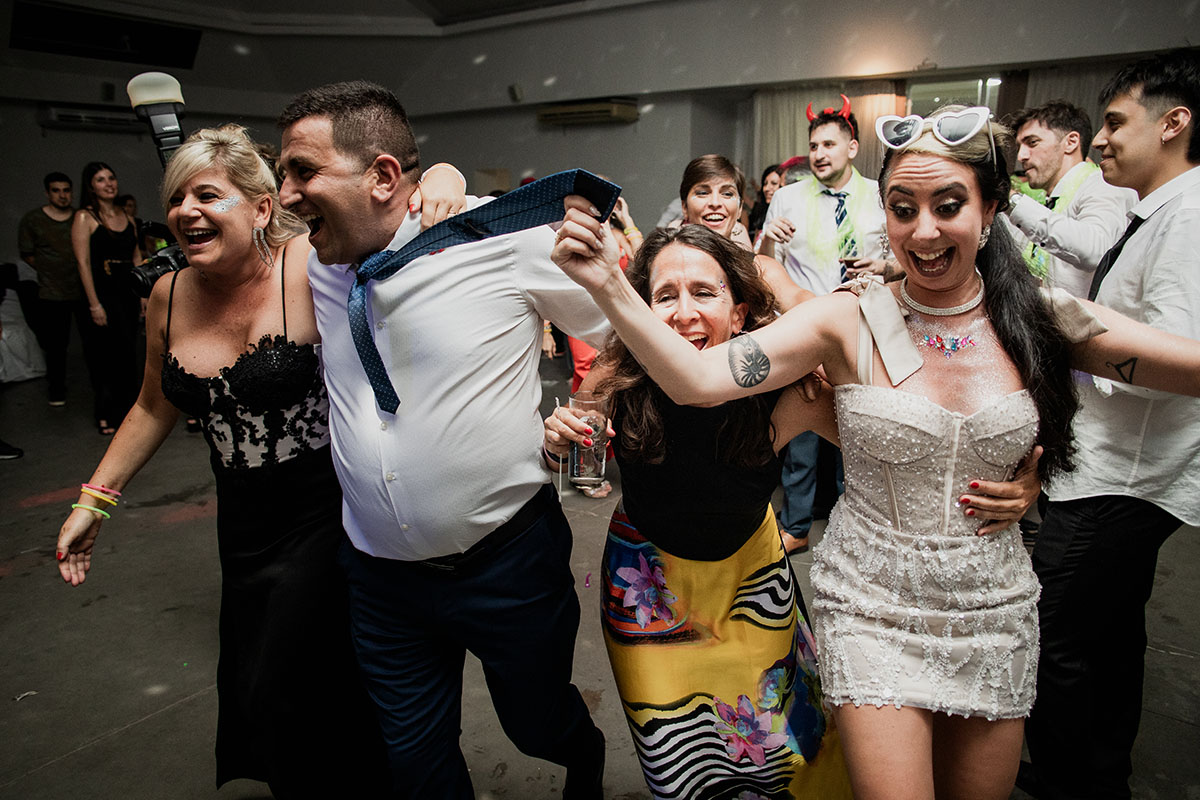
(948, 345)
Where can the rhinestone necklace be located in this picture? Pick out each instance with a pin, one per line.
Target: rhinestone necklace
(940, 312)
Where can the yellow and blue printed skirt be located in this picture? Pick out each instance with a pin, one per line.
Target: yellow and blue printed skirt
(715, 665)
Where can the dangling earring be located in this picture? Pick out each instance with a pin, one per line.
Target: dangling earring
(983, 235)
(260, 244)
(886, 244)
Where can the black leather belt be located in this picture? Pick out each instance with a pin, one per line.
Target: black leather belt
(544, 500)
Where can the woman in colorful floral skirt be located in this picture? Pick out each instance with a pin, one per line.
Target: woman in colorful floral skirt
(704, 623)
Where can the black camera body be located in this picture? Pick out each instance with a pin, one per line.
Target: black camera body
(143, 276)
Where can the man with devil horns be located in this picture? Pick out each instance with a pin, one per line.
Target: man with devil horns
(828, 225)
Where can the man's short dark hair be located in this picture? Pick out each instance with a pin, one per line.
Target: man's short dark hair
(848, 125)
(367, 120)
(55, 177)
(1059, 116)
(1162, 82)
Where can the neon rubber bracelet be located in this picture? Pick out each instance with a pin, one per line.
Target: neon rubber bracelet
(553, 457)
(99, 511)
(98, 495)
(105, 489)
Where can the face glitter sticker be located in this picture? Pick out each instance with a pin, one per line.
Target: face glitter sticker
(226, 204)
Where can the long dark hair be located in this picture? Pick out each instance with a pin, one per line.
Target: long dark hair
(638, 403)
(87, 198)
(1024, 323)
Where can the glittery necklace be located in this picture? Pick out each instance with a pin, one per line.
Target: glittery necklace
(940, 312)
(949, 345)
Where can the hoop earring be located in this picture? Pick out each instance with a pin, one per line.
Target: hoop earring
(983, 235)
(260, 244)
(886, 244)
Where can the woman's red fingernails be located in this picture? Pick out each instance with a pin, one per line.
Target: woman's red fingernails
(588, 431)
(60, 556)
(587, 442)
(412, 208)
(966, 501)
(970, 512)
(974, 484)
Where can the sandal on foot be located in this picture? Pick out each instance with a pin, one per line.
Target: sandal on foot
(597, 492)
(104, 428)
(794, 545)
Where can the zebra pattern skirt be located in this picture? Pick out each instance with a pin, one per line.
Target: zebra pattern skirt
(715, 666)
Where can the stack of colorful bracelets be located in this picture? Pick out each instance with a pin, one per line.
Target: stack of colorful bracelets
(102, 493)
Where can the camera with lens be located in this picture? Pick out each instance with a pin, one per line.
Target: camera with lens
(143, 276)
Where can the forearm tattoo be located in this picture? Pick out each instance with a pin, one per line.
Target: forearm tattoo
(1124, 369)
(748, 363)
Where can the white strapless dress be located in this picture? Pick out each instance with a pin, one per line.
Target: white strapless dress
(911, 607)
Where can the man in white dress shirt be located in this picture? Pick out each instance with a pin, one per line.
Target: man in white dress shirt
(1137, 477)
(828, 218)
(1083, 215)
(456, 540)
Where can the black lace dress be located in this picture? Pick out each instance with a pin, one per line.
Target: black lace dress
(292, 711)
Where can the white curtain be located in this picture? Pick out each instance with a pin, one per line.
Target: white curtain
(1079, 84)
(781, 126)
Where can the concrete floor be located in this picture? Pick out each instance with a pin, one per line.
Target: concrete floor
(107, 690)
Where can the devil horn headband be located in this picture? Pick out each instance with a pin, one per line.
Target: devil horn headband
(845, 112)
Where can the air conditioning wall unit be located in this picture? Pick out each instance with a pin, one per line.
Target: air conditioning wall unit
(89, 118)
(590, 112)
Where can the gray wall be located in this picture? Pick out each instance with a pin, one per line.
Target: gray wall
(30, 152)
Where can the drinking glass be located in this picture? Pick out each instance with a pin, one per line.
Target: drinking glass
(587, 463)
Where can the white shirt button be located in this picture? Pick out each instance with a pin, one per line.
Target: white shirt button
(379, 325)
(383, 426)
(391, 476)
(404, 526)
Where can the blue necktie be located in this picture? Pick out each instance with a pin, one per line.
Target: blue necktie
(537, 203)
(847, 245)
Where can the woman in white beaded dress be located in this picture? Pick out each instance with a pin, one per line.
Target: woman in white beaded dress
(926, 633)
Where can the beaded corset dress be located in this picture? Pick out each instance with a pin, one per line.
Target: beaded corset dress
(911, 607)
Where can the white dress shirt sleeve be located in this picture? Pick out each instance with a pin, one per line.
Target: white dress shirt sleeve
(555, 296)
(1085, 231)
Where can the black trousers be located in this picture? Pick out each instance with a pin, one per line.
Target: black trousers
(53, 329)
(516, 609)
(1096, 559)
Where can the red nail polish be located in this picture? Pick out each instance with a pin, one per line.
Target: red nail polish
(970, 512)
(974, 484)
(60, 556)
(588, 431)
(587, 442)
(966, 501)
(412, 208)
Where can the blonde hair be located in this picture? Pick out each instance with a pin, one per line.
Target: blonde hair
(229, 148)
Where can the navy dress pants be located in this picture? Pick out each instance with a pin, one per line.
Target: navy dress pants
(801, 478)
(1095, 558)
(515, 609)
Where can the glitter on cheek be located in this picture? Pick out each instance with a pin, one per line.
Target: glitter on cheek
(226, 204)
